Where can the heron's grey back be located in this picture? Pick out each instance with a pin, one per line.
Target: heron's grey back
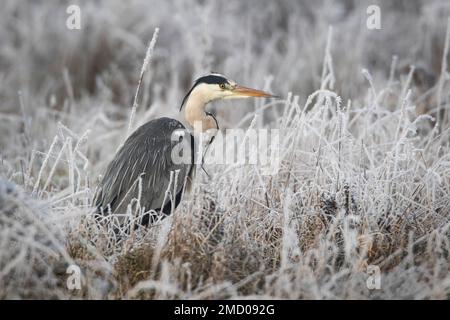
(145, 159)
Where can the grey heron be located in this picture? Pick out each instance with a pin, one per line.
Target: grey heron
(143, 167)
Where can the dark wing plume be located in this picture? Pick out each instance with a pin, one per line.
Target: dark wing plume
(145, 160)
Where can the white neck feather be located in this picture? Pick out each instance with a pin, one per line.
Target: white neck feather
(195, 109)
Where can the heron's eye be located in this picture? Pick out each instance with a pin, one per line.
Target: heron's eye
(222, 86)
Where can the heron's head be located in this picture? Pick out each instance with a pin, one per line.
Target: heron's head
(216, 86)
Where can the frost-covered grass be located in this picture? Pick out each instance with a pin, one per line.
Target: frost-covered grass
(364, 179)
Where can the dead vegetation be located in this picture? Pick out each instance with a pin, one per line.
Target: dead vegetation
(364, 177)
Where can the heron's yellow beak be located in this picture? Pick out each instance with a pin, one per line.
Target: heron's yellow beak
(240, 91)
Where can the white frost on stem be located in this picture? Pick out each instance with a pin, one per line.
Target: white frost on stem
(145, 65)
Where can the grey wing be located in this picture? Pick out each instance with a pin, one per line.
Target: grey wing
(144, 169)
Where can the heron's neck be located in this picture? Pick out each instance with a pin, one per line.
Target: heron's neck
(195, 113)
